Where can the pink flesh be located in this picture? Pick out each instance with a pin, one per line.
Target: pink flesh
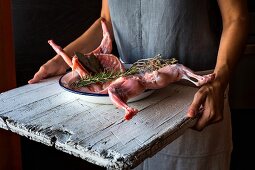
(104, 48)
(172, 73)
(61, 52)
(106, 44)
(125, 88)
(110, 62)
(78, 67)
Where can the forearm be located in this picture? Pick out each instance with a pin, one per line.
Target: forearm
(87, 42)
(231, 47)
(91, 38)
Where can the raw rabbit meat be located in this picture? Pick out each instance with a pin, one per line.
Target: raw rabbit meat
(126, 87)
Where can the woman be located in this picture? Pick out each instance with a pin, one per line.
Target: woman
(144, 28)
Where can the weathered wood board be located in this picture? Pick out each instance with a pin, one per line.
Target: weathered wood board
(46, 113)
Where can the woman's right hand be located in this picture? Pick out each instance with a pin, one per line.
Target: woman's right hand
(55, 66)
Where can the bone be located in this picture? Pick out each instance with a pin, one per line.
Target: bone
(61, 52)
(106, 44)
(76, 66)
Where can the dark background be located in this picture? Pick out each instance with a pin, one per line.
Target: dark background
(36, 21)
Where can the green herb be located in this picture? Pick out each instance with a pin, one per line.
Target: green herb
(141, 66)
(103, 77)
(152, 64)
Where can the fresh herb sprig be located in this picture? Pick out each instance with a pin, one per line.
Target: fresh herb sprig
(141, 66)
(103, 77)
(152, 64)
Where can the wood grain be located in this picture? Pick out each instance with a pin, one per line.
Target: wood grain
(97, 133)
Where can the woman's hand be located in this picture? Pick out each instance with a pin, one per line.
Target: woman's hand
(209, 99)
(209, 102)
(55, 66)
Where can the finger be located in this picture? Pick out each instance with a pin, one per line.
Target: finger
(35, 79)
(199, 99)
(212, 113)
(208, 115)
(204, 120)
(41, 74)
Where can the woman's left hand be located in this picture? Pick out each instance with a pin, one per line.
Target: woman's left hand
(209, 102)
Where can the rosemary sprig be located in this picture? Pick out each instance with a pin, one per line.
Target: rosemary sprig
(141, 66)
(103, 77)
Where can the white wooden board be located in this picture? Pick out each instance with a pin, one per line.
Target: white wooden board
(46, 113)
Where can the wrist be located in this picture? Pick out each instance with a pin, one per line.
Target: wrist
(222, 76)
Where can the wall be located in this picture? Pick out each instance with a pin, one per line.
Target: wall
(9, 142)
(34, 23)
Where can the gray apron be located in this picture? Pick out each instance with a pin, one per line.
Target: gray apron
(180, 29)
(173, 28)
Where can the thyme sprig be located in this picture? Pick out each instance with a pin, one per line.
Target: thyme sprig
(152, 64)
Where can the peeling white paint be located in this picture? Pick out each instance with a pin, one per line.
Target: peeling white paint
(45, 113)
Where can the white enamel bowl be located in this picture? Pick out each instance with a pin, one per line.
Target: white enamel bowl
(70, 77)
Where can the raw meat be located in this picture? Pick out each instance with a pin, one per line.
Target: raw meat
(126, 87)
